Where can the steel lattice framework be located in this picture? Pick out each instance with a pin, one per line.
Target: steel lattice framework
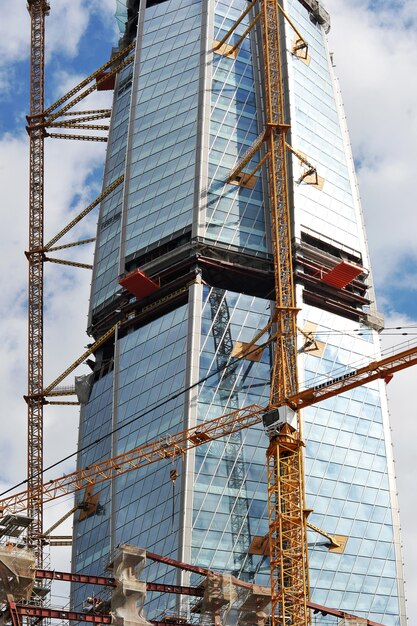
(58, 115)
(286, 500)
(178, 444)
(38, 10)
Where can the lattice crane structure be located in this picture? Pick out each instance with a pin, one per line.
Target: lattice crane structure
(177, 445)
(58, 115)
(286, 499)
(38, 9)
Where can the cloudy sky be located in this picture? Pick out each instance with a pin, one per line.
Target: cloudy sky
(374, 44)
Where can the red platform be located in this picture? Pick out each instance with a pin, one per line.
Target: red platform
(342, 274)
(138, 284)
(107, 84)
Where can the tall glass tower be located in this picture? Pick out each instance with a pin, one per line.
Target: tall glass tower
(184, 260)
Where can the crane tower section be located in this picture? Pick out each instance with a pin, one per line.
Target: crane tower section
(286, 505)
(38, 9)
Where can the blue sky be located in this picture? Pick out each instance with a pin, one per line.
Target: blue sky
(374, 44)
(93, 32)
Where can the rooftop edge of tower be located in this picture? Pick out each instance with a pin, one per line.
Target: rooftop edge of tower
(315, 7)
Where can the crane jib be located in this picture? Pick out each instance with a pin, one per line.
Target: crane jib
(333, 381)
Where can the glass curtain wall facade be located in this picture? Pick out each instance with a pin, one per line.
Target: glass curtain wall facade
(182, 117)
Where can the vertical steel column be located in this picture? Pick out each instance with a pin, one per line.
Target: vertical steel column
(38, 9)
(287, 530)
(239, 514)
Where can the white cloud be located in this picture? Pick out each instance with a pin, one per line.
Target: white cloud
(65, 25)
(14, 31)
(375, 60)
(65, 318)
(106, 10)
(403, 419)
(68, 21)
(69, 164)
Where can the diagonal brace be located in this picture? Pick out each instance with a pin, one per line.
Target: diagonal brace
(87, 80)
(86, 211)
(235, 25)
(85, 266)
(311, 169)
(82, 358)
(248, 155)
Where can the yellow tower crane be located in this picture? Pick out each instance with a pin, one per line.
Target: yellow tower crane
(286, 493)
(59, 115)
(286, 499)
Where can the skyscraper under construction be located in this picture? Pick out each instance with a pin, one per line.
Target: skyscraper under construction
(184, 261)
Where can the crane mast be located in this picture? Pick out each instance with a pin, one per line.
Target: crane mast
(38, 9)
(286, 506)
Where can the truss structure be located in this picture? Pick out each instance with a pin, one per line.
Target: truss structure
(58, 115)
(38, 9)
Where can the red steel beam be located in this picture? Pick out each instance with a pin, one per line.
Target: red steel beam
(42, 613)
(325, 610)
(13, 611)
(203, 571)
(74, 578)
(179, 589)
(110, 582)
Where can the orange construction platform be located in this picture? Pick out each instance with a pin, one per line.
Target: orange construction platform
(342, 274)
(138, 284)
